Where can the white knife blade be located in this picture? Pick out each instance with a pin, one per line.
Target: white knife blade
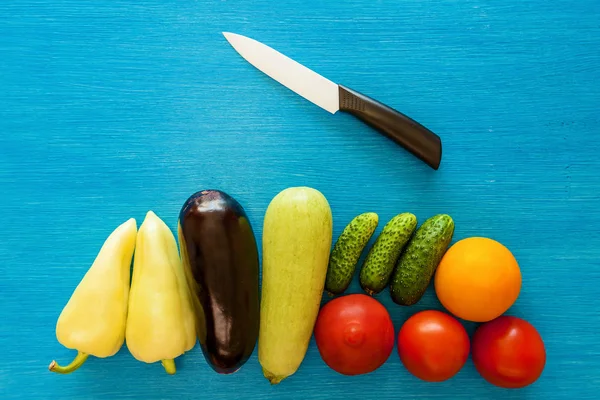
(333, 97)
(291, 74)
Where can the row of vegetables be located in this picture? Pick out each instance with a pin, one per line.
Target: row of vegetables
(204, 286)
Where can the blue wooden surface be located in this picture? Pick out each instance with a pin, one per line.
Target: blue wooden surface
(109, 109)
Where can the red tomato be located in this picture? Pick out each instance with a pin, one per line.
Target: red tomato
(509, 352)
(354, 334)
(433, 346)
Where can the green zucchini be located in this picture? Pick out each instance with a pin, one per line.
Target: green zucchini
(296, 242)
(420, 259)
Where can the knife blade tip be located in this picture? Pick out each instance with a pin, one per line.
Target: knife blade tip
(229, 35)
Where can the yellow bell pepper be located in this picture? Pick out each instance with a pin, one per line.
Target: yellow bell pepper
(160, 324)
(93, 320)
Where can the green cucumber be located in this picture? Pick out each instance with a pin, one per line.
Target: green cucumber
(420, 259)
(379, 263)
(347, 250)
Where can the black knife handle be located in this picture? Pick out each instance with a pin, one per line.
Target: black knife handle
(408, 133)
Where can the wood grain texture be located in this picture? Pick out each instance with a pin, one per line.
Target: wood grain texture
(109, 109)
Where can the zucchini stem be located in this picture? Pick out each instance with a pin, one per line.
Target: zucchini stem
(273, 379)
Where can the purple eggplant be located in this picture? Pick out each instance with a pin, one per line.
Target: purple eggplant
(220, 255)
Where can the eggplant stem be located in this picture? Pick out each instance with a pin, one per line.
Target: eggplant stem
(75, 364)
(169, 365)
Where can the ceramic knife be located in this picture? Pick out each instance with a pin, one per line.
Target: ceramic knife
(333, 97)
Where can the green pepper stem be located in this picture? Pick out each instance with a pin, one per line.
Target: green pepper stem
(169, 365)
(75, 364)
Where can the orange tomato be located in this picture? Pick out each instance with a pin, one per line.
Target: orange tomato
(478, 279)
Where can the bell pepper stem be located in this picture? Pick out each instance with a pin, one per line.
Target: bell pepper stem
(75, 364)
(169, 365)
